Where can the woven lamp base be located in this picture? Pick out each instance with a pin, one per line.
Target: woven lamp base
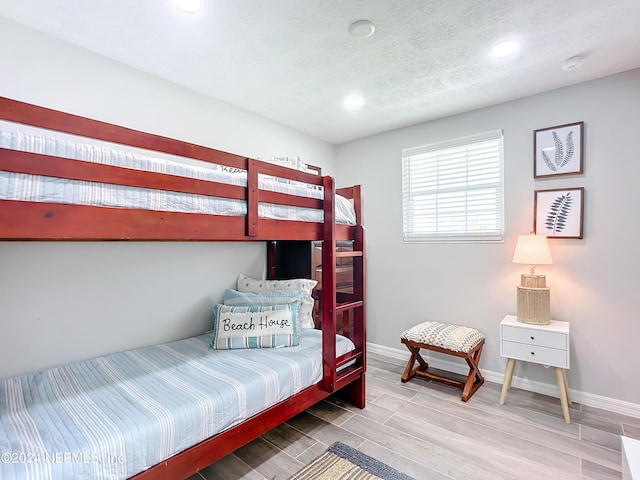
(534, 300)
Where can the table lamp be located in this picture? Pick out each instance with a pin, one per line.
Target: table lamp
(533, 295)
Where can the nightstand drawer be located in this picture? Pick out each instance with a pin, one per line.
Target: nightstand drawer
(530, 336)
(535, 353)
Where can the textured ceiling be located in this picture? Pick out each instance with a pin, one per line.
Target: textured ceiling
(293, 61)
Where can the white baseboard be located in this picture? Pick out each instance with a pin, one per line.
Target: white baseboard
(611, 404)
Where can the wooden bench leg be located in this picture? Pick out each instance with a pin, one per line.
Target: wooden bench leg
(475, 378)
(409, 371)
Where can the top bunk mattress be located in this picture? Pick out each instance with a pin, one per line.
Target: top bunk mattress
(115, 416)
(39, 188)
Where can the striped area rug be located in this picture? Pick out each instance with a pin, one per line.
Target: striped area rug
(342, 462)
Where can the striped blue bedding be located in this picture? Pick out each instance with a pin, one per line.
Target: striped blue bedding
(38, 188)
(114, 416)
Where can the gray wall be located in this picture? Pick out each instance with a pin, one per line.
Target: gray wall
(62, 301)
(593, 281)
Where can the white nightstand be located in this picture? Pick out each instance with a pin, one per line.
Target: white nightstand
(544, 344)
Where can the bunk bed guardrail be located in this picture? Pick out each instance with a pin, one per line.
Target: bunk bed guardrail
(59, 221)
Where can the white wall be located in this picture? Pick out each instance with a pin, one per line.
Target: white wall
(62, 301)
(593, 281)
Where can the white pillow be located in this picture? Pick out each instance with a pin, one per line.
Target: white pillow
(304, 285)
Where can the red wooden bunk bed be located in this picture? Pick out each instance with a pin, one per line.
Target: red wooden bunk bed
(27, 220)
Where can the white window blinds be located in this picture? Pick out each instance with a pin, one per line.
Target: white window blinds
(453, 191)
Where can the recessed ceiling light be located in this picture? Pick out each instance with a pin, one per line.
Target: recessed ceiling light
(189, 6)
(353, 102)
(362, 29)
(504, 49)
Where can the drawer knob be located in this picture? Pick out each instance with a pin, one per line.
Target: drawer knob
(532, 338)
(533, 353)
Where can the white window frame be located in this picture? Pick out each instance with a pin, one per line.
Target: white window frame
(453, 191)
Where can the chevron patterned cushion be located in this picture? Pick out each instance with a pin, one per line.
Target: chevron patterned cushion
(450, 337)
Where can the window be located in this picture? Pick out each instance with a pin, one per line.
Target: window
(453, 191)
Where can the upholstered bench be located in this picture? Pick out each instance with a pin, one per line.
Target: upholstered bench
(456, 340)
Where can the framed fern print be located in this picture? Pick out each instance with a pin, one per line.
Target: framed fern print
(559, 213)
(558, 150)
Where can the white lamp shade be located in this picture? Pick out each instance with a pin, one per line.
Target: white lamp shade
(532, 250)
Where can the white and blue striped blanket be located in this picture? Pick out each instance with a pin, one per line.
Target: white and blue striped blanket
(114, 416)
(40, 188)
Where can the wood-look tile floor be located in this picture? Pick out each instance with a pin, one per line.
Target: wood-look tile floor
(424, 430)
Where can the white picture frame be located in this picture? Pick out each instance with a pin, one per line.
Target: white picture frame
(558, 150)
(559, 213)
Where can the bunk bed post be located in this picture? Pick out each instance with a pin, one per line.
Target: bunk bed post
(328, 301)
(360, 289)
(272, 265)
(355, 392)
(253, 168)
(359, 265)
(358, 204)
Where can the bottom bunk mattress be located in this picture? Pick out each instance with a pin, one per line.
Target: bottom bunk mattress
(114, 416)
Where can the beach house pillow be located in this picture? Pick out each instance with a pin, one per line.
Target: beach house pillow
(303, 285)
(235, 298)
(258, 326)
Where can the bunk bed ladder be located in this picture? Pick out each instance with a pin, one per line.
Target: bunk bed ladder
(350, 305)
